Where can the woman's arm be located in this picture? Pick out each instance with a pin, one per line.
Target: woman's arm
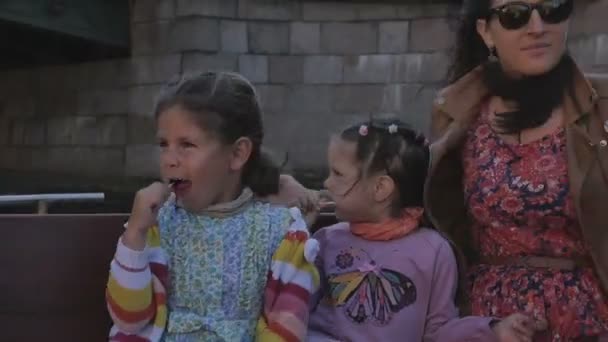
(442, 321)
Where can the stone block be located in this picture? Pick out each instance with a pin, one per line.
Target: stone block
(4, 131)
(150, 38)
(308, 148)
(22, 107)
(349, 38)
(147, 10)
(87, 131)
(67, 77)
(397, 97)
(358, 98)
(375, 11)
(589, 18)
(417, 11)
(195, 34)
(421, 67)
(111, 131)
(8, 157)
(323, 69)
(103, 102)
(394, 37)
(305, 38)
(369, 68)
(286, 69)
(273, 98)
(584, 50)
(411, 102)
(328, 11)
(233, 36)
(198, 62)
(268, 37)
(154, 69)
(17, 132)
(269, 9)
(432, 34)
(86, 160)
(56, 101)
(601, 55)
(141, 130)
(107, 73)
(142, 161)
(254, 68)
(142, 100)
(60, 129)
(34, 133)
(16, 83)
(307, 99)
(208, 8)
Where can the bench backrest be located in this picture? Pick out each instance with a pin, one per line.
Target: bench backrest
(55, 269)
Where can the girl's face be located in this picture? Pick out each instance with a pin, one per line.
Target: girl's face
(353, 192)
(202, 168)
(531, 47)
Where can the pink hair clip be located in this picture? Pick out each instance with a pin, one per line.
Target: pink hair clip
(363, 130)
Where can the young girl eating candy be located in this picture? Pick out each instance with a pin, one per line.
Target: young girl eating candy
(202, 259)
(385, 275)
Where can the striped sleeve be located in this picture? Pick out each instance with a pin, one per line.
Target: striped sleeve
(136, 291)
(292, 279)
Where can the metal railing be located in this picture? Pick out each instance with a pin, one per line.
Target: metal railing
(43, 200)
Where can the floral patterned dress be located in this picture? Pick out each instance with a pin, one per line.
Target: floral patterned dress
(218, 269)
(520, 205)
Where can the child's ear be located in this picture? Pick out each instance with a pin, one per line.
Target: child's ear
(241, 152)
(385, 186)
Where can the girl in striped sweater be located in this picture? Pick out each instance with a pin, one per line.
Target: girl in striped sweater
(202, 258)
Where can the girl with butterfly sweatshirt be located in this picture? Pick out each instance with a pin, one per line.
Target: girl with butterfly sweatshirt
(384, 276)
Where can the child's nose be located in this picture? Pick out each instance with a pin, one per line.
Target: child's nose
(169, 158)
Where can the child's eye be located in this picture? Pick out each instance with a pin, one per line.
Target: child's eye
(336, 172)
(187, 144)
(162, 143)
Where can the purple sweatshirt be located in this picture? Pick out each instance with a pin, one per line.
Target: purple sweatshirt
(399, 290)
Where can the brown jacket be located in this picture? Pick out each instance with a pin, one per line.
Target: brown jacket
(586, 115)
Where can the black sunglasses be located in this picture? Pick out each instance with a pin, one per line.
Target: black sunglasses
(515, 15)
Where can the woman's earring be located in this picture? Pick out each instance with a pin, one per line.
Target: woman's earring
(492, 57)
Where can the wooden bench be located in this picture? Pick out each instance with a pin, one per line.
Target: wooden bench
(54, 273)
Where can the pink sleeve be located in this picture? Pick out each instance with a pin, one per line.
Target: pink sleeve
(442, 322)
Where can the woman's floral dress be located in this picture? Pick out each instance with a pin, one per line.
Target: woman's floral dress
(519, 201)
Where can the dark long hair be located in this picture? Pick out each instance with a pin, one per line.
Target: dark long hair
(226, 105)
(535, 96)
(470, 50)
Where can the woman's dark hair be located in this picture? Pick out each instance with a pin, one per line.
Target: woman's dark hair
(536, 96)
(470, 51)
(226, 105)
(393, 147)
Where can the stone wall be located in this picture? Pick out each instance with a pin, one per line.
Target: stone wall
(317, 66)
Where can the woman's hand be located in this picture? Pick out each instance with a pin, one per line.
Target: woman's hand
(518, 328)
(293, 194)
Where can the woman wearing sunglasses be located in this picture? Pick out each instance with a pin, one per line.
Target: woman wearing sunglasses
(519, 175)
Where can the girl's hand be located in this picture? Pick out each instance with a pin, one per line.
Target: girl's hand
(146, 204)
(518, 328)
